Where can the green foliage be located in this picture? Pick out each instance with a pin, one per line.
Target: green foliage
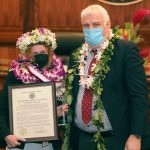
(98, 139)
(69, 99)
(129, 32)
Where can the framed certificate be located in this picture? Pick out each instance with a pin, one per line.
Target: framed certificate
(33, 111)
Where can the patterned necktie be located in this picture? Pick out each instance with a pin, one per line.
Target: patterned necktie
(87, 97)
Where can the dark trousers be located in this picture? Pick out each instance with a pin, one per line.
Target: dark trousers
(112, 143)
(85, 142)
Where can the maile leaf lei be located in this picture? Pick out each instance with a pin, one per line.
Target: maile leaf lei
(99, 72)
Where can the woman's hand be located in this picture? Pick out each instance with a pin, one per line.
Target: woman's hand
(62, 109)
(13, 141)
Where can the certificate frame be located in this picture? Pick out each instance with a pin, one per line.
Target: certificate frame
(31, 114)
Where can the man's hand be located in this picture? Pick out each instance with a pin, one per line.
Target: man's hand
(133, 143)
(13, 141)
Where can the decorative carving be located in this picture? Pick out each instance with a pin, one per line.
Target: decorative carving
(120, 2)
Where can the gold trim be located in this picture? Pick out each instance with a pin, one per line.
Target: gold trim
(121, 3)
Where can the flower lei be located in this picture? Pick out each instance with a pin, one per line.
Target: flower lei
(21, 71)
(37, 36)
(99, 71)
(86, 81)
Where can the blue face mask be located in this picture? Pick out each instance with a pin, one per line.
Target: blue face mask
(94, 37)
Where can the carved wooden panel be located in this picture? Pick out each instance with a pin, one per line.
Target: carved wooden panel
(23, 15)
(9, 52)
(11, 15)
(19, 16)
(65, 14)
(11, 20)
(121, 14)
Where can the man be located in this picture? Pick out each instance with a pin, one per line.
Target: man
(108, 84)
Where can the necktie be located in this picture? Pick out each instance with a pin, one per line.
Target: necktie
(87, 97)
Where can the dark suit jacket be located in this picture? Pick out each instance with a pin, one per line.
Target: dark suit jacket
(124, 92)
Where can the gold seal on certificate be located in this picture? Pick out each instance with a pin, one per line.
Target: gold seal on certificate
(23, 132)
(33, 111)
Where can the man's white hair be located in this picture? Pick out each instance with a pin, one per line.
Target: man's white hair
(95, 9)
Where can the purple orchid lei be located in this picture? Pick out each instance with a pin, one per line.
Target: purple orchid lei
(21, 71)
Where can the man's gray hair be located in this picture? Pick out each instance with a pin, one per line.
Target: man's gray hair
(95, 9)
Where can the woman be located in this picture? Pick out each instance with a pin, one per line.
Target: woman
(36, 63)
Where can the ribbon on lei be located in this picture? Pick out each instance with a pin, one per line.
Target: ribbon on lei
(37, 74)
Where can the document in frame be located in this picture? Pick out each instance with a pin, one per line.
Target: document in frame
(33, 111)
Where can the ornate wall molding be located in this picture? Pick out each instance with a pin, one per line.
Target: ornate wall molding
(120, 2)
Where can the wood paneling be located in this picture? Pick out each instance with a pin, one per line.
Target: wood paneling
(65, 14)
(121, 14)
(11, 15)
(11, 20)
(9, 37)
(59, 14)
(9, 52)
(18, 16)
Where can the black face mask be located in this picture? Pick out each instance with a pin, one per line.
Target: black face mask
(41, 60)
